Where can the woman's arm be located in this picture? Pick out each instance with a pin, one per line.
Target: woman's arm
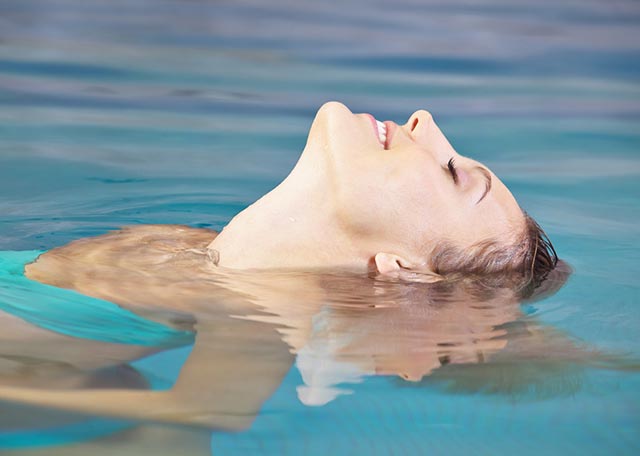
(235, 365)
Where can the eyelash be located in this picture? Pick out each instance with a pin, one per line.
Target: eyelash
(452, 169)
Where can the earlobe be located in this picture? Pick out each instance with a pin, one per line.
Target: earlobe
(387, 263)
(392, 265)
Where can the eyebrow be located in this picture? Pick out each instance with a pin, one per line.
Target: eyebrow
(487, 176)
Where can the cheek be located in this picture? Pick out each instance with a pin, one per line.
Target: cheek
(362, 205)
(419, 196)
(409, 204)
(394, 200)
(428, 212)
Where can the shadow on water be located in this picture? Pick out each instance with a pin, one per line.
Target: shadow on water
(250, 330)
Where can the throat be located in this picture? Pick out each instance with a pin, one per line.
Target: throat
(263, 237)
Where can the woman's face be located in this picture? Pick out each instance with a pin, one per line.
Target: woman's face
(409, 190)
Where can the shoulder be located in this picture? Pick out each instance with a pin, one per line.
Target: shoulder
(136, 248)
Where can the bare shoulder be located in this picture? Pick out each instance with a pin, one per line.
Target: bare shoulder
(140, 249)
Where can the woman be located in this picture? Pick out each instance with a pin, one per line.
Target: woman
(397, 198)
(365, 198)
(367, 195)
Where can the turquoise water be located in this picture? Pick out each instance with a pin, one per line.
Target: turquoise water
(140, 112)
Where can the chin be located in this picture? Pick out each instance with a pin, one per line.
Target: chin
(333, 121)
(333, 107)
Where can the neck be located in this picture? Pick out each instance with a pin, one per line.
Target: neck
(291, 227)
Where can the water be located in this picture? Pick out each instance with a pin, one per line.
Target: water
(185, 112)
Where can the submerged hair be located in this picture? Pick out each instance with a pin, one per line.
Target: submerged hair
(524, 264)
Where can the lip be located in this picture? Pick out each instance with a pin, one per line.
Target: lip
(374, 123)
(391, 129)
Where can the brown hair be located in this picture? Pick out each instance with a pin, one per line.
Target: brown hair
(523, 265)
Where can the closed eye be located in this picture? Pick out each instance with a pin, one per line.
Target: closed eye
(452, 169)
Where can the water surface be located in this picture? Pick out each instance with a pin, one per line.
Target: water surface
(139, 112)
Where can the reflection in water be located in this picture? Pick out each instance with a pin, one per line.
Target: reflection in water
(251, 328)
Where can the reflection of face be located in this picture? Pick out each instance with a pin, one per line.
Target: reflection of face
(401, 196)
(400, 329)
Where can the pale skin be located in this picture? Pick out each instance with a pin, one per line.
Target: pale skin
(352, 202)
(350, 205)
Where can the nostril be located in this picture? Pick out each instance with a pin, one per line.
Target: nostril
(414, 124)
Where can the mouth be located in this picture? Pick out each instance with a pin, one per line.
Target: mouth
(380, 130)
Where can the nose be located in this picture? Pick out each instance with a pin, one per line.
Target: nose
(418, 125)
(424, 131)
(410, 377)
(415, 130)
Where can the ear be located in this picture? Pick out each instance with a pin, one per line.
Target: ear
(391, 265)
(387, 263)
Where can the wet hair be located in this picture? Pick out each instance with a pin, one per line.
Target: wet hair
(522, 265)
